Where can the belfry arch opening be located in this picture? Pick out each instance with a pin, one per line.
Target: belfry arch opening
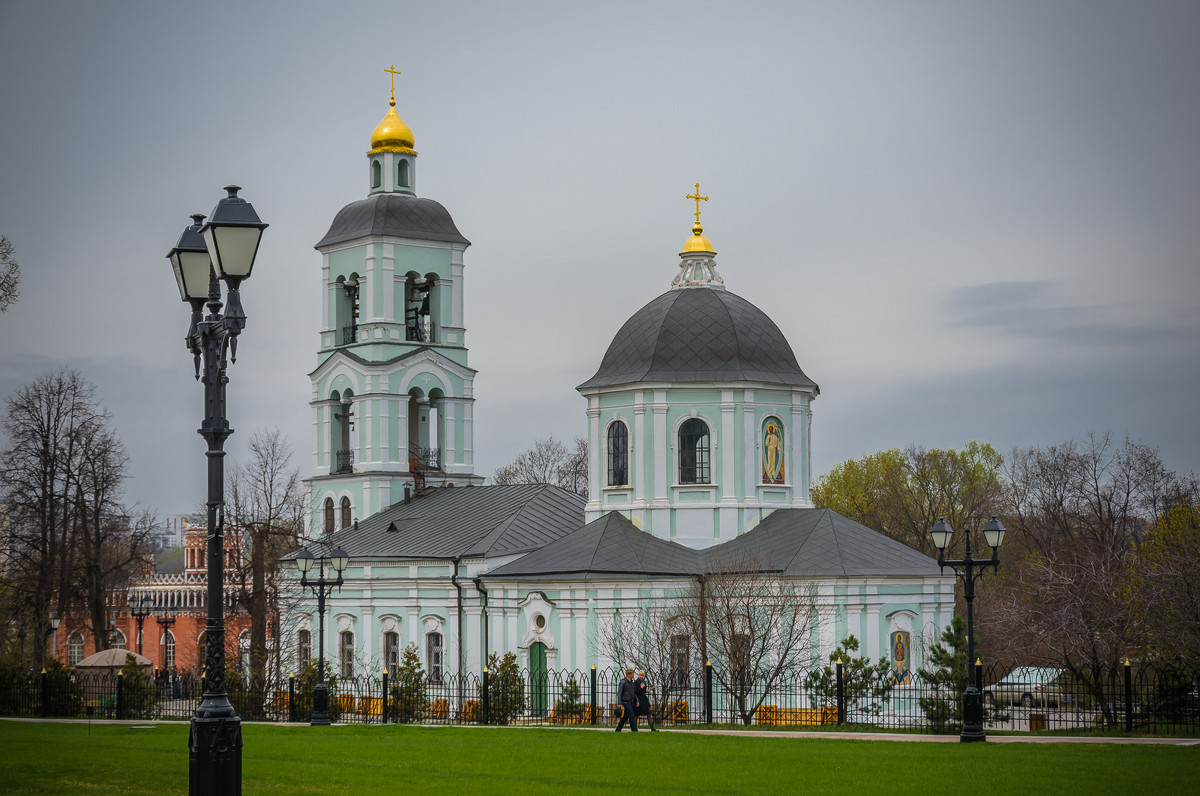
(341, 431)
(420, 307)
(345, 309)
(425, 432)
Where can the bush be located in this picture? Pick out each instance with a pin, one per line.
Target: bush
(506, 689)
(139, 696)
(410, 701)
(65, 695)
(865, 685)
(569, 710)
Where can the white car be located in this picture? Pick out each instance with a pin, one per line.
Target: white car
(1029, 686)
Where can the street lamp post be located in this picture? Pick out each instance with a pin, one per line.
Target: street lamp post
(969, 570)
(55, 621)
(165, 621)
(321, 587)
(222, 249)
(140, 609)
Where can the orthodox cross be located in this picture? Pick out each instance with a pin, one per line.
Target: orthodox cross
(697, 197)
(394, 72)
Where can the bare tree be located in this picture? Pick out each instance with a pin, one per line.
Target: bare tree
(549, 462)
(10, 275)
(266, 503)
(44, 422)
(1078, 515)
(655, 637)
(755, 627)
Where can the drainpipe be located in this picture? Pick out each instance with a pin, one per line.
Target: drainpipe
(458, 587)
(479, 588)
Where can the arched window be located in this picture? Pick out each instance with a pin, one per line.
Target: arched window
(346, 653)
(405, 176)
(303, 649)
(74, 648)
(391, 651)
(376, 174)
(694, 452)
(328, 515)
(618, 454)
(118, 641)
(433, 651)
(169, 646)
(681, 659)
(345, 512)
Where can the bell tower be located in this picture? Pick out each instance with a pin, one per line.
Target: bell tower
(392, 394)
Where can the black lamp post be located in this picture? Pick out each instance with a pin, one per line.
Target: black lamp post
(139, 608)
(165, 621)
(55, 621)
(970, 570)
(321, 587)
(224, 249)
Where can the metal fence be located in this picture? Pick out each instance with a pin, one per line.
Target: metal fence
(1154, 699)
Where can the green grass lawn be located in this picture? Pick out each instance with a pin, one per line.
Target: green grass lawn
(66, 758)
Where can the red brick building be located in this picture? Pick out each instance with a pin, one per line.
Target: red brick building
(180, 644)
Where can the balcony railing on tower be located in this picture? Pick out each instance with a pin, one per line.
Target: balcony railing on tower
(422, 461)
(345, 461)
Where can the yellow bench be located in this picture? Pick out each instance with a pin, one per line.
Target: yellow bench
(776, 716)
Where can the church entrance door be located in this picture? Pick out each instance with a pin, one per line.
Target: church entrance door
(539, 680)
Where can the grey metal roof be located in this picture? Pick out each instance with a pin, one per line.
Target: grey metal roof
(819, 542)
(610, 545)
(465, 522)
(699, 334)
(397, 214)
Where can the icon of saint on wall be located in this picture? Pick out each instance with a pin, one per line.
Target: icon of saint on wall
(901, 651)
(773, 470)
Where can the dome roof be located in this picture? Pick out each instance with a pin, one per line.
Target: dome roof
(396, 214)
(698, 243)
(699, 334)
(392, 134)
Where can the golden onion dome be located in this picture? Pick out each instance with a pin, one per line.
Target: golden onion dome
(392, 134)
(698, 243)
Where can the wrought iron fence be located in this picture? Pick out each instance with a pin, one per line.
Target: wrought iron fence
(1155, 699)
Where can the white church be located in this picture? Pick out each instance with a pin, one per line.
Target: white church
(699, 423)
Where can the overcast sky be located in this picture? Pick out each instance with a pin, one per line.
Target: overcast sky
(972, 221)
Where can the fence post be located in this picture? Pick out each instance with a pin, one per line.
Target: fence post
(1128, 696)
(841, 694)
(292, 697)
(385, 696)
(593, 695)
(487, 716)
(708, 691)
(120, 696)
(45, 695)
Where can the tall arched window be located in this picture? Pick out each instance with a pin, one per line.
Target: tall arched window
(376, 174)
(169, 646)
(694, 452)
(303, 648)
(328, 515)
(618, 454)
(391, 651)
(346, 653)
(74, 648)
(433, 650)
(346, 512)
(405, 178)
(118, 641)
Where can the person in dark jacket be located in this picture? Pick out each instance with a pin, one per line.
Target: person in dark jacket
(643, 699)
(628, 697)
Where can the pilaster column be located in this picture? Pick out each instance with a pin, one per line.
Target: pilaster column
(636, 457)
(662, 446)
(728, 449)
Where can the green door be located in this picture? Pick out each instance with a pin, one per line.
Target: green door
(539, 680)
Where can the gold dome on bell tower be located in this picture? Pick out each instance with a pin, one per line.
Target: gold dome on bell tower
(392, 134)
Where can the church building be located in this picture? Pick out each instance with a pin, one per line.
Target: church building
(699, 421)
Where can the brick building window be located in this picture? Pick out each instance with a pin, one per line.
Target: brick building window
(74, 648)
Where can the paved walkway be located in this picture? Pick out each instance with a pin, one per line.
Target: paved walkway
(853, 736)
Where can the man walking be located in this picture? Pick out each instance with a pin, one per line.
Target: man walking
(627, 696)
